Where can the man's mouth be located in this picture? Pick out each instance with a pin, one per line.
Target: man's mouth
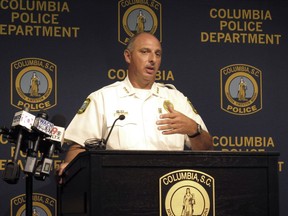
(150, 69)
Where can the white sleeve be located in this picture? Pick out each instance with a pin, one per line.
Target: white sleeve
(88, 122)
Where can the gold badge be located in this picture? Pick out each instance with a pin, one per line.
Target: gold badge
(84, 106)
(166, 105)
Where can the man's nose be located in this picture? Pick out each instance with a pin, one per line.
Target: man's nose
(152, 57)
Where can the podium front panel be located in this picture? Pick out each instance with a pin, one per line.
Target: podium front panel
(154, 183)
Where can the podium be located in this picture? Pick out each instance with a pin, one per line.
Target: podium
(153, 183)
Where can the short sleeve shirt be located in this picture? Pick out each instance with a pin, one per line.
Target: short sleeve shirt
(138, 131)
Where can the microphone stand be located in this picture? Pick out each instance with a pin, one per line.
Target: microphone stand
(100, 144)
(11, 174)
(121, 117)
(29, 194)
(31, 162)
(29, 184)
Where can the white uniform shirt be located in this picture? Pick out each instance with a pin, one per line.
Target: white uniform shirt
(138, 131)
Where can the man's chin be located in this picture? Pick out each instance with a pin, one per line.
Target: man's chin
(150, 77)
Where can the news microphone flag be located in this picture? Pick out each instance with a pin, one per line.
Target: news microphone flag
(24, 119)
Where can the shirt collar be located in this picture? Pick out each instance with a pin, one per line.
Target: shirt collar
(126, 89)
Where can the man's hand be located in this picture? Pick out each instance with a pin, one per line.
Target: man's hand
(59, 172)
(176, 123)
(73, 151)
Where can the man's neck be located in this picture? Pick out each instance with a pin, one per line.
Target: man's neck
(140, 85)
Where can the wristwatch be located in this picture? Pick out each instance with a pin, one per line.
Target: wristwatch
(198, 132)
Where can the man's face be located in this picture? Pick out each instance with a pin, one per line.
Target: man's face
(144, 61)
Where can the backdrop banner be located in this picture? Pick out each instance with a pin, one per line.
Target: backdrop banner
(228, 57)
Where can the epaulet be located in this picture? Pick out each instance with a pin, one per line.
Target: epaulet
(193, 108)
(112, 85)
(169, 86)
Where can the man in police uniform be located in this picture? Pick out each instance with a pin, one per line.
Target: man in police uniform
(157, 116)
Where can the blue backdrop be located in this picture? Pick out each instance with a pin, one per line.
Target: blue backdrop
(209, 46)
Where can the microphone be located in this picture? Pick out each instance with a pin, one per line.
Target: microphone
(42, 129)
(51, 144)
(58, 131)
(44, 166)
(8, 134)
(121, 117)
(57, 137)
(101, 143)
(21, 125)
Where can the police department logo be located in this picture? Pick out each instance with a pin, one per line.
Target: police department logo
(187, 192)
(84, 106)
(139, 16)
(33, 84)
(42, 205)
(241, 89)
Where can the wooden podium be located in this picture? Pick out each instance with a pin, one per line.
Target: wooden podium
(153, 183)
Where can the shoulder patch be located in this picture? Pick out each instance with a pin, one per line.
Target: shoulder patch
(84, 106)
(193, 108)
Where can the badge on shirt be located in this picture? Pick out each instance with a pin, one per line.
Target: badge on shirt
(84, 106)
(120, 112)
(166, 105)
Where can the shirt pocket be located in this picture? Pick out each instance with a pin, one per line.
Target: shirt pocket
(122, 135)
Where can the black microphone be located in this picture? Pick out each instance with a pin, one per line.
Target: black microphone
(42, 129)
(58, 131)
(44, 166)
(93, 143)
(8, 134)
(21, 126)
(50, 145)
(121, 117)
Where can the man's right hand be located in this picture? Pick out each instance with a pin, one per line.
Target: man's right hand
(59, 172)
(73, 151)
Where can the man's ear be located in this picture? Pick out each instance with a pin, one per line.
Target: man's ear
(127, 55)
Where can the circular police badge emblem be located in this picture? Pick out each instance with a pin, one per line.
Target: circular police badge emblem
(187, 192)
(43, 205)
(33, 84)
(241, 89)
(136, 17)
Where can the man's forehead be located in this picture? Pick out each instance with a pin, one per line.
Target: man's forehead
(148, 44)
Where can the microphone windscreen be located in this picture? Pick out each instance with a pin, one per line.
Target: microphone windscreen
(59, 120)
(24, 119)
(122, 117)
